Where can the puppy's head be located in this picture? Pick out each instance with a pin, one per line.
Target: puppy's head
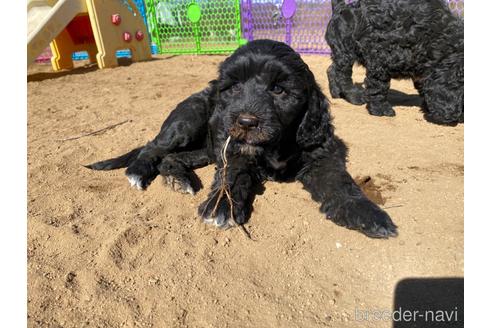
(267, 93)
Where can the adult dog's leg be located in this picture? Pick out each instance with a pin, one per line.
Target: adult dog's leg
(177, 169)
(240, 182)
(329, 183)
(377, 86)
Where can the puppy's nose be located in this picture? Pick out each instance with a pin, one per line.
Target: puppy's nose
(247, 121)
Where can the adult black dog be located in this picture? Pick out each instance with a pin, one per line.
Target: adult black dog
(263, 118)
(417, 39)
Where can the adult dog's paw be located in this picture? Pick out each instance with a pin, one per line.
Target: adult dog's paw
(218, 212)
(363, 215)
(140, 174)
(381, 109)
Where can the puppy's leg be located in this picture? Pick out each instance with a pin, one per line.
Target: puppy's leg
(417, 84)
(443, 102)
(377, 86)
(342, 201)
(143, 170)
(341, 83)
(339, 36)
(185, 127)
(177, 170)
(240, 181)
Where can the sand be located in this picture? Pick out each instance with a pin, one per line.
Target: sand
(101, 254)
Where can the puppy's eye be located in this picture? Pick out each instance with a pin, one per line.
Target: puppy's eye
(278, 90)
(236, 87)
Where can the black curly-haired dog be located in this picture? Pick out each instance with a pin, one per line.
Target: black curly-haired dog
(417, 39)
(267, 112)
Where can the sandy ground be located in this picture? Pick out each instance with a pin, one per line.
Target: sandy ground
(103, 255)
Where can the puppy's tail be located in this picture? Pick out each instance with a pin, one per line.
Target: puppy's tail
(117, 162)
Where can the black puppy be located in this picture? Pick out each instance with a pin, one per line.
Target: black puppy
(417, 39)
(263, 118)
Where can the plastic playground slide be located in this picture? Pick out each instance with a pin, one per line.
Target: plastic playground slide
(46, 19)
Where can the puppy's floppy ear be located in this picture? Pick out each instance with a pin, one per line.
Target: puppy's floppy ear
(315, 127)
(214, 88)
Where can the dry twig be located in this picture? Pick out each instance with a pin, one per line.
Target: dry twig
(224, 189)
(393, 206)
(94, 132)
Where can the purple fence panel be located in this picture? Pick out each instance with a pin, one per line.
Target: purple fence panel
(299, 23)
(263, 20)
(457, 7)
(309, 26)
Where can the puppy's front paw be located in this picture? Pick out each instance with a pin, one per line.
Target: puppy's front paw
(362, 214)
(136, 181)
(381, 109)
(178, 177)
(180, 184)
(140, 174)
(218, 212)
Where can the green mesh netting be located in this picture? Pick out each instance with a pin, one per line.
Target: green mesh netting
(195, 26)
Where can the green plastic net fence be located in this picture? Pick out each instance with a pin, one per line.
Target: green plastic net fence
(195, 26)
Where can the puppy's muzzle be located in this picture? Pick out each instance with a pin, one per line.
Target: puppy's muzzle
(247, 121)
